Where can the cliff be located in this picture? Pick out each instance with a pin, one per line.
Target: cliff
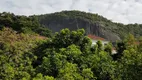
(77, 20)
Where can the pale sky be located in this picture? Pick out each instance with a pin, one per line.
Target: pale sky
(124, 11)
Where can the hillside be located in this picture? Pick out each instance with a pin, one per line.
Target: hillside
(92, 23)
(23, 24)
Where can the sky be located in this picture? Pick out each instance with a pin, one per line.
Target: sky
(123, 11)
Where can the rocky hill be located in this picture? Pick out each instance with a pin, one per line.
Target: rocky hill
(92, 23)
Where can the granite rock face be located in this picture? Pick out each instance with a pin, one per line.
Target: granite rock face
(73, 20)
(74, 24)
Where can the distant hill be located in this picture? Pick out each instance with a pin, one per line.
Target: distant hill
(92, 23)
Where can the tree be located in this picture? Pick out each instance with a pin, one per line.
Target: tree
(39, 76)
(69, 72)
(130, 65)
(88, 74)
(103, 66)
(99, 45)
(108, 48)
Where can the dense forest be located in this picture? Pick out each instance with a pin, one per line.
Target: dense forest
(30, 51)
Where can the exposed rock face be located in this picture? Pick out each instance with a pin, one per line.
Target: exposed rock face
(74, 24)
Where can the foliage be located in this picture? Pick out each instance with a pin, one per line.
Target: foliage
(16, 54)
(68, 55)
(23, 24)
